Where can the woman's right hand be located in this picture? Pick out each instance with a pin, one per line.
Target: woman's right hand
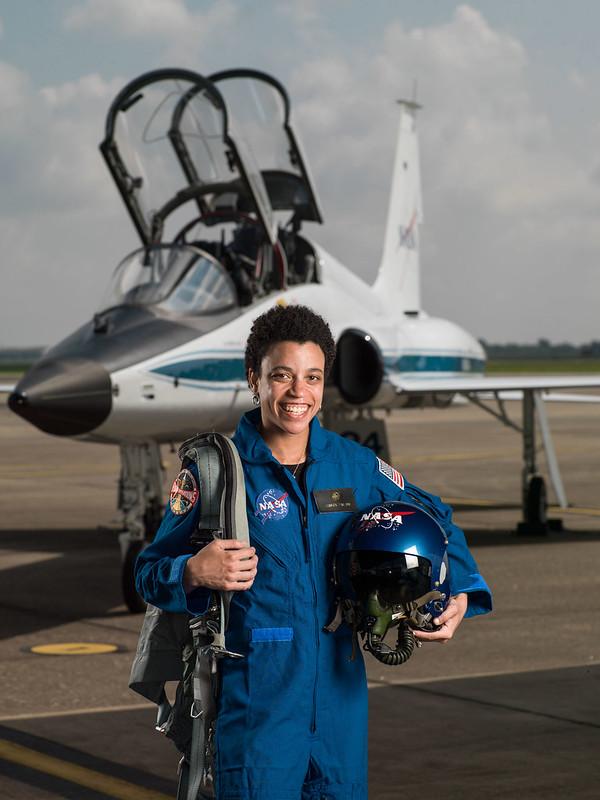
(223, 564)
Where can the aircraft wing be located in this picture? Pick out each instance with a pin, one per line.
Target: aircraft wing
(7, 388)
(508, 387)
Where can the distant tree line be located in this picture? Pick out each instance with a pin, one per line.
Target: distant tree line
(542, 349)
(20, 355)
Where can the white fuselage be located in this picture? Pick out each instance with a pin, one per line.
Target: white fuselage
(201, 384)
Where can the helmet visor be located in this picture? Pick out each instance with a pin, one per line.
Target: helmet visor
(396, 578)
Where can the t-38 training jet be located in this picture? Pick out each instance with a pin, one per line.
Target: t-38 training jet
(216, 185)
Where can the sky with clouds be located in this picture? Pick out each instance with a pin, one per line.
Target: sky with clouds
(510, 144)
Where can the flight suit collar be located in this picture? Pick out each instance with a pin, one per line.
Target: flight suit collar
(252, 446)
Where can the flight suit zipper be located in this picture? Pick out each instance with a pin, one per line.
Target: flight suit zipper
(303, 497)
(313, 722)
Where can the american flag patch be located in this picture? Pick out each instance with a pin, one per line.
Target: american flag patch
(392, 474)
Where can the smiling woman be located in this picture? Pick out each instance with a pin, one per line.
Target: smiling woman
(289, 354)
(289, 389)
(292, 713)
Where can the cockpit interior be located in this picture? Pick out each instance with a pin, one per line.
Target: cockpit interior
(213, 177)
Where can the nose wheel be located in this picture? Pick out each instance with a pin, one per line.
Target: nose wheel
(134, 602)
(140, 500)
(535, 507)
(536, 501)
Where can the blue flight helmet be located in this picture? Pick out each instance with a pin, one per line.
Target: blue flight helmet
(391, 569)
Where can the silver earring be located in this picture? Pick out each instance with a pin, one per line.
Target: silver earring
(255, 400)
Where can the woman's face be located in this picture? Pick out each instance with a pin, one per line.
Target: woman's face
(290, 386)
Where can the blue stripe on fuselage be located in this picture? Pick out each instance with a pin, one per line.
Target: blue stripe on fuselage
(214, 370)
(433, 363)
(206, 370)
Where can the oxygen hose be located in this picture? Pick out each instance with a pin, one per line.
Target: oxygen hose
(405, 645)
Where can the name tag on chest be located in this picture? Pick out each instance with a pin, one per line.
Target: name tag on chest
(330, 500)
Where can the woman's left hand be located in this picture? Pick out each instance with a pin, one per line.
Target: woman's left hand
(448, 621)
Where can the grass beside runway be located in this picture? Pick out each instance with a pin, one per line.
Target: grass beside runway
(542, 365)
(493, 366)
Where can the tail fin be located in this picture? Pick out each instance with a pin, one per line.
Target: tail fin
(398, 279)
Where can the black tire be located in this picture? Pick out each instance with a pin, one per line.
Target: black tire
(152, 518)
(536, 503)
(134, 602)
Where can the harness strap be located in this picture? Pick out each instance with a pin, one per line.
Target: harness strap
(222, 515)
(204, 711)
(172, 647)
(210, 473)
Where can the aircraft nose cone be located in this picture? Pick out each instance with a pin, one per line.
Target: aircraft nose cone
(66, 397)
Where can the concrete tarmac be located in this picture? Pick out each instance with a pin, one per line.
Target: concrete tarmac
(511, 707)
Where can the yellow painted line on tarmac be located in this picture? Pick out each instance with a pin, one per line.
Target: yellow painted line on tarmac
(73, 649)
(477, 503)
(479, 455)
(583, 511)
(82, 776)
(475, 455)
(19, 472)
(586, 512)
(75, 712)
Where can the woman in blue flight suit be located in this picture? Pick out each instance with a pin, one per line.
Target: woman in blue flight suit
(292, 716)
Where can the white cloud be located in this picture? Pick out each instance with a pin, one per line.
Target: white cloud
(56, 207)
(578, 80)
(507, 203)
(73, 93)
(162, 19)
(49, 149)
(14, 85)
(181, 37)
(303, 13)
(510, 205)
(141, 18)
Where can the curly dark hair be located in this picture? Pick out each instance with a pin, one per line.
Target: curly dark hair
(288, 324)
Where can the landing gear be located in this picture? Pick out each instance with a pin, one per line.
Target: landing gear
(140, 501)
(536, 503)
(134, 602)
(535, 508)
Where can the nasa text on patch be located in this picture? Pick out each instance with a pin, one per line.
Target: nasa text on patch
(330, 500)
(184, 493)
(392, 474)
(272, 504)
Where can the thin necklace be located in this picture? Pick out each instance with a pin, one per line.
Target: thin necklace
(302, 460)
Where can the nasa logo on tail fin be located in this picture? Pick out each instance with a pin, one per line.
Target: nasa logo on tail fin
(406, 234)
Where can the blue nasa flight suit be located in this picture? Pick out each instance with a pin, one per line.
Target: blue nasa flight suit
(292, 716)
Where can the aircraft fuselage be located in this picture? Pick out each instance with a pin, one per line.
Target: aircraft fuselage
(149, 376)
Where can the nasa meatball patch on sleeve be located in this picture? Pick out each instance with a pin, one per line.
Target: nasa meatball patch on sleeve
(184, 493)
(390, 473)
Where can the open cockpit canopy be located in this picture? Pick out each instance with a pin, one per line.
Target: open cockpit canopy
(168, 141)
(261, 108)
(224, 145)
(202, 166)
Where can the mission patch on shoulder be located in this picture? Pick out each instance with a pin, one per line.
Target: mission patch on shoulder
(184, 493)
(392, 474)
